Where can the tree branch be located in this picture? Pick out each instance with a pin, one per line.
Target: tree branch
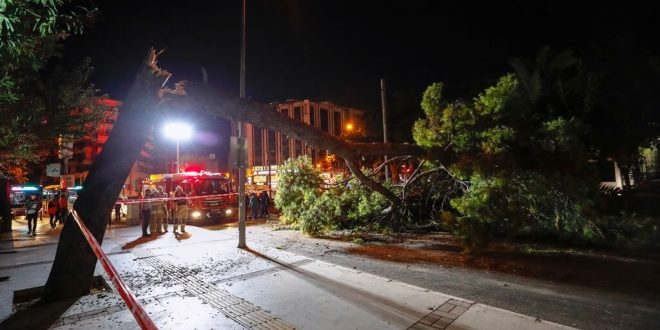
(375, 186)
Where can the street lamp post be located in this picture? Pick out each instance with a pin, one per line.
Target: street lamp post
(178, 132)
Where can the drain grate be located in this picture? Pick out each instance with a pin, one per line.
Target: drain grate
(442, 316)
(235, 308)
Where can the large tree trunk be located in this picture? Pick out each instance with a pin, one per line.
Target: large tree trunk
(74, 262)
(5, 207)
(195, 97)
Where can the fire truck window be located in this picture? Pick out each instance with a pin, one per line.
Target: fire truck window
(213, 187)
(206, 187)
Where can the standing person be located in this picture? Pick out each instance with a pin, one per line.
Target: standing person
(164, 212)
(117, 211)
(43, 208)
(52, 212)
(181, 209)
(145, 212)
(32, 208)
(254, 206)
(263, 202)
(155, 220)
(63, 208)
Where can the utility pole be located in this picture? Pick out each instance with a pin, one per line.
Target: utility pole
(384, 105)
(241, 143)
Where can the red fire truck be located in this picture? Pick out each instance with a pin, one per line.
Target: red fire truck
(210, 194)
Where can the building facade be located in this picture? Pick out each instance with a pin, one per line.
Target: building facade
(84, 151)
(267, 148)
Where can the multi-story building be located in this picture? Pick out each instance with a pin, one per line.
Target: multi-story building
(268, 148)
(85, 151)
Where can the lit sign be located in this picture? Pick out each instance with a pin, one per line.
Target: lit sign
(24, 188)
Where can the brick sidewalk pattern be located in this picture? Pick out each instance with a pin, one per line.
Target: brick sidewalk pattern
(442, 316)
(233, 307)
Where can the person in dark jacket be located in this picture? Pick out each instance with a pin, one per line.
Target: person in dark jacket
(263, 203)
(32, 207)
(145, 212)
(254, 206)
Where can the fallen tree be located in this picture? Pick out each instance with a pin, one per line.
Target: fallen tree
(199, 97)
(74, 262)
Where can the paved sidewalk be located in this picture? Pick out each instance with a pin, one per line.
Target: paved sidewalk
(202, 281)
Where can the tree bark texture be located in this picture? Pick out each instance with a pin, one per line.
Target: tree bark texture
(74, 262)
(5, 207)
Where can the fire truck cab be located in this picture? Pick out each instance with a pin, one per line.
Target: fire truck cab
(209, 194)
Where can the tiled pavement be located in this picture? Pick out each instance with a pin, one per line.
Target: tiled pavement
(206, 282)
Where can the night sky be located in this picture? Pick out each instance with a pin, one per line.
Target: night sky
(338, 50)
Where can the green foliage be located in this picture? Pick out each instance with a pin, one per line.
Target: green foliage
(31, 30)
(524, 204)
(319, 213)
(360, 204)
(520, 147)
(624, 230)
(306, 206)
(38, 105)
(299, 184)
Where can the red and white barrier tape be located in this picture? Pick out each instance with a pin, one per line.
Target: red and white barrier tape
(166, 199)
(134, 306)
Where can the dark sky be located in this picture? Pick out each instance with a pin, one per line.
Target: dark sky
(338, 50)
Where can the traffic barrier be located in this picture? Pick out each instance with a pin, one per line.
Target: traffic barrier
(134, 306)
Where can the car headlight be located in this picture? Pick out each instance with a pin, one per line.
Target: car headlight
(196, 214)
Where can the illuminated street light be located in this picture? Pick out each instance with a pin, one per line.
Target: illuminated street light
(349, 127)
(177, 131)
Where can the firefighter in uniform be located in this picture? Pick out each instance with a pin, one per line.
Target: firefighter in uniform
(181, 209)
(156, 221)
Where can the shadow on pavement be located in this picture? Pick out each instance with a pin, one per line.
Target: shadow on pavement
(138, 241)
(37, 317)
(182, 236)
(376, 304)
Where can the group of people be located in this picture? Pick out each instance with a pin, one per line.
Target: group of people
(258, 205)
(154, 211)
(57, 209)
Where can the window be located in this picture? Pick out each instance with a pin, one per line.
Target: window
(337, 122)
(271, 147)
(324, 119)
(286, 150)
(257, 144)
(297, 113)
(211, 187)
(312, 116)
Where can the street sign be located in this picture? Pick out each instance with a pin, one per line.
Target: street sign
(53, 169)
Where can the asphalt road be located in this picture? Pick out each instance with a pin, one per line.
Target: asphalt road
(580, 307)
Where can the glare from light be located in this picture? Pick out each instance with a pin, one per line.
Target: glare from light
(349, 127)
(177, 131)
(228, 212)
(196, 214)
